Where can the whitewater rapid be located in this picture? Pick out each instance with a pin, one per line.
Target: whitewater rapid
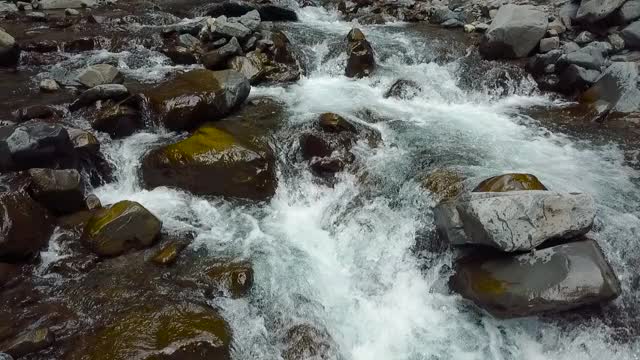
(350, 259)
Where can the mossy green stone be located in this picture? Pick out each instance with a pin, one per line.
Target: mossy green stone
(510, 182)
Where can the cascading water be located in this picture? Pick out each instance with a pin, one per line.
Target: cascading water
(348, 258)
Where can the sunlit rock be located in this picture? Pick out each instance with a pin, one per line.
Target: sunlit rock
(510, 182)
(232, 279)
(361, 61)
(554, 279)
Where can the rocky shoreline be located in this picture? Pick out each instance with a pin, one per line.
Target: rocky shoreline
(522, 249)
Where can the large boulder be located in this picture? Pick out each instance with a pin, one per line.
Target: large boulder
(514, 220)
(35, 144)
(627, 13)
(588, 57)
(9, 50)
(555, 279)
(514, 32)
(60, 191)
(118, 120)
(152, 332)
(252, 66)
(217, 59)
(232, 165)
(616, 91)
(100, 74)
(25, 226)
(510, 182)
(631, 35)
(197, 96)
(591, 11)
(361, 61)
(120, 227)
(577, 79)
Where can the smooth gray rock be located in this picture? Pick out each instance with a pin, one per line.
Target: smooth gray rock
(71, 12)
(188, 41)
(217, 59)
(60, 191)
(514, 33)
(251, 20)
(549, 44)
(627, 13)
(65, 4)
(100, 92)
(631, 35)
(617, 88)
(35, 144)
(591, 11)
(9, 50)
(587, 57)
(100, 74)
(555, 279)
(222, 27)
(516, 220)
(49, 85)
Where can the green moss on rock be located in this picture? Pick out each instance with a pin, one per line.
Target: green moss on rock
(510, 182)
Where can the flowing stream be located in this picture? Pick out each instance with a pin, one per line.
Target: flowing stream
(355, 259)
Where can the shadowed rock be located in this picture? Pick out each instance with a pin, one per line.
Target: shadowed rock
(514, 32)
(361, 60)
(60, 191)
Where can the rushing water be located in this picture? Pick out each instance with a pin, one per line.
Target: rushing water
(350, 259)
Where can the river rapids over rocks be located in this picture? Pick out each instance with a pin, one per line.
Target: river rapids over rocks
(349, 266)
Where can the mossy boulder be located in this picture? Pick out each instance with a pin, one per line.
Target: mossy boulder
(232, 279)
(510, 182)
(171, 332)
(192, 98)
(25, 226)
(120, 227)
(168, 253)
(334, 123)
(213, 161)
(444, 183)
(361, 61)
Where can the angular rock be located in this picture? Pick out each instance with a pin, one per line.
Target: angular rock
(164, 332)
(514, 32)
(281, 64)
(591, 11)
(84, 141)
(65, 4)
(79, 45)
(616, 41)
(549, 44)
(555, 279)
(335, 123)
(268, 12)
(120, 227)
(217, 59)
(404, 89)
(576, 79)
(9, 50)
(251, 20)
(537, 64)
(168, 254)
(35, 144)
(630, 34)
(118, 120)
(313, 146)
(628, 12)
(233, 165)
(7, 8)
(100, 92)
(307, 342)
(180, 55)
(326, 166)
(222, 27)
(37, 16)
(515, 220)
(232, 279)
(250, 66)
(510, 182)
(617, 89)
(584, 37)
(35, 112)
(588, 57)
(100, 74)
(49, 85)
(92, 202)
(31, 342)
(197, 96)
(60, 191)
(25, 226)
(361, 60)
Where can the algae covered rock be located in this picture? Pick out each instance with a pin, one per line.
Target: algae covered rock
(213, 161)
(331, 122)
(168, 254)
(195, 97)
(510, 182)
(550, 280)
(120, 227)
(361, 60)
(444, 183)
(170, 332)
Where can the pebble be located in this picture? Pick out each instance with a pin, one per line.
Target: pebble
(49, 85)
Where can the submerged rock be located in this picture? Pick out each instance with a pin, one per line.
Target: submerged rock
(120, 227)
(444, 183)
(307, 342)
(9, 50)
(35, 144)
(60, 191)
(195, 97)
(168, 254)
(514, 220)
(232, 165)
(555, 279)
(510, 182)
(361, 60)
(334, 123)
(234, 279)
(171, 332)
(404, 89)
(514, 32)
(25, 226)
(30, 342)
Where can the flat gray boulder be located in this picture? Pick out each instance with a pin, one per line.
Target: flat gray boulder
(617, 89)
(591, 11)
(515, 220)
(555, 279)
(100, 74)
(514, 32)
